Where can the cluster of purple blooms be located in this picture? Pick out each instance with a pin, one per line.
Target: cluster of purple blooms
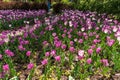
(79, 33)
(10, 15)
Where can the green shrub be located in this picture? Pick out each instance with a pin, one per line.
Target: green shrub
(58, 7)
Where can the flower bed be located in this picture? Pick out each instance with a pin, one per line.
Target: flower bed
(74, 45)
(16, 18)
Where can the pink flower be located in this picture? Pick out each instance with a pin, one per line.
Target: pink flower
(63, 46)
(54, 34)
(45, 43)
(6, 67)
(90, 51)
(98, 50)
(71, 49)
(71, 43)
(58, 43)
(9, 53)
(47, 54)
(93, 46)
(53, 52)
(81, 54)
(0, 56)
(44, 62)
(105, 62)
(28, 53)
(89, 61)
(30, 66)
(69, 36)
(21, 48)
(25, 35)
(26, 42)
(63, 35)
(110, 42)
(96, 41)
(80, 40)
(57, 58)
(86, 37)
(97, 36)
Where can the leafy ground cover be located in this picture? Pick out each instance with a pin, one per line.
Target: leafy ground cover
(74, 45)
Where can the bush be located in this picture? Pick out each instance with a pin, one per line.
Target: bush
(23, 6)
(37, 6)
(6, 5)
(58, 7)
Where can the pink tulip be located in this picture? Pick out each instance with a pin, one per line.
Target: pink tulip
(71, 43)
(98, 50)
(57, 58)
(53, 52)
(89, 61)
(63, 46)
(71, 49)
(44, 62)
(90, 51)
(105, 62)
(9, 53)
(80, 40)
(81, 54)
(30, 66)
(47, 54)
(0, 56)
(28, 53)
(6, 67)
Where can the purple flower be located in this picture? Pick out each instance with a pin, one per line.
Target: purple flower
(47, 54)
(80, 40)
(81, 54)
(57, 44)
(21, 48)
(71, 43)
(25, 35)
(2, 42)
(30, 66)
(97, 36)
(69, 36)
(90, 51)
(89, 61)
(54, 34)
(93, 46)
(6, 67)
(28, 53)
(63, 46)
(0, 56)
(53, 52)
(63, 35)
(95, 41)
(105, 62)
(44, 62)
(71, 49)
(98, 50)
(110, 42)
(45, 42)
(2, 75)
(57, 58)
(9, 53)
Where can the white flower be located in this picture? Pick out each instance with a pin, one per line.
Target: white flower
(118, 38)
(82, 29)
(105, 31)
(81, 53)
(70, 23)
(71, 78)
(115, 29)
